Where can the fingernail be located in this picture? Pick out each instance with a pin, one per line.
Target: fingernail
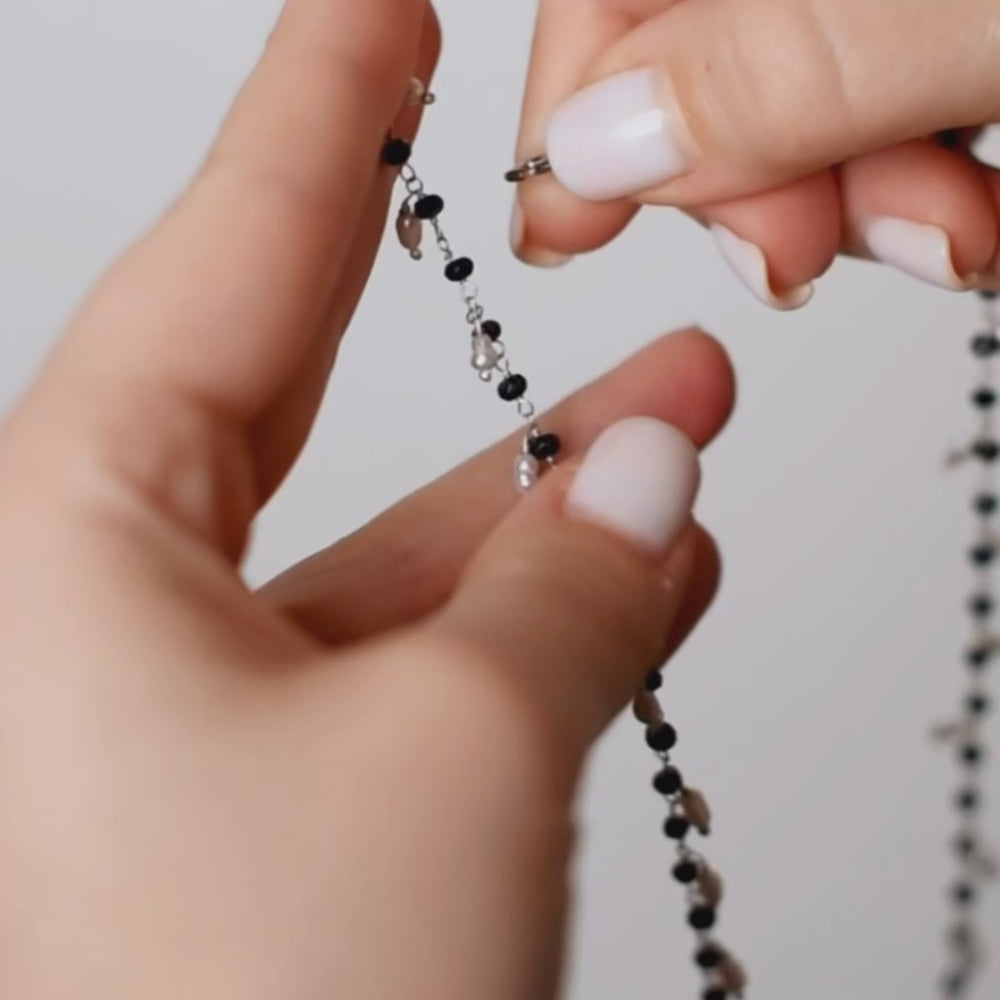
(750, 265)
(918, 249)
(639, 479)
(528, 252)
(618, 137)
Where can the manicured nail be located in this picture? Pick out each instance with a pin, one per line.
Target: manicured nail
(618, 137)
(921, 250)
(639, 479)
(750, 265)
(528, 252)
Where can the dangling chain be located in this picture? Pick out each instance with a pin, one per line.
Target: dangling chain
(723, 975)
(965, 735)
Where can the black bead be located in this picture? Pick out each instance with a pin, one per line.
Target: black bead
(544, 447)
(668, 781)
(459, 269)
(708, 957)
(980, 605)
(987, 450)
(662, 737)
(430, 206)
(989, 295)
(702, 918)
(654, 680)
(685, 872)
(985, 345)
(714, 993)
(977, 704)
(971, 754)
(963, 894)
(492, 329)
(396, 152)
(967, 799)
(978, 656)
(676, 827)
(985, 504)
(513, 387)
(982, 555)
(984, 398)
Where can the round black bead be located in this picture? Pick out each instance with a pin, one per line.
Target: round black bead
(662, 737)
(967, 799)
(985, 504)
(987, 450)
(668, 781)
(492, 329)
(977, 704)
(971, 754)
(980, 605)
(963, 894)
(702, 918)
(430, 206)
(459, 269)
(984, 398)
(513, 387)
(676, 827)
(654, 680)
(985, 345)
(714, 993)
(685, 872)
(982, 555)
(396, 152)
(978, 656)
(708, 957)
(544, 447)
(989, 295)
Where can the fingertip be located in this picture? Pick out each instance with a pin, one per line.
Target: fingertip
(925, 210)
(779, 242)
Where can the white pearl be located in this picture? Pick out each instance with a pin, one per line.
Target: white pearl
(526, 470)
(484, 353)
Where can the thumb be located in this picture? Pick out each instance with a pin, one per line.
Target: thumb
(574, 597)
(716, 99)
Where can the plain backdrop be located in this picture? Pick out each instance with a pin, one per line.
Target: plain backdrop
(805, 699)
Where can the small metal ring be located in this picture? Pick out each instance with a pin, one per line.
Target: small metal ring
(534, 167)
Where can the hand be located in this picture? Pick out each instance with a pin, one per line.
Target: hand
(359, 781)
(796, 129)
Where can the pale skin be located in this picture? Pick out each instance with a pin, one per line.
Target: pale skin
(358, 782)
(809, 117)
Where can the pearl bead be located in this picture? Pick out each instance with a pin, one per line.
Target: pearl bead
(526, 469)
(410, 231)
(484, 353)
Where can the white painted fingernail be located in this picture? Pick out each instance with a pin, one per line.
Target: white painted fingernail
(529, 253)
(918, 249)
(618, 137)
(640, 480)
(750, 265)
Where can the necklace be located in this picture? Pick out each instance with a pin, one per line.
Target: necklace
(688, 813)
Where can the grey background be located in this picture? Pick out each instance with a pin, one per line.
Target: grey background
(804, 702)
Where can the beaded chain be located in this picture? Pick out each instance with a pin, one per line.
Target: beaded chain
(975, 863)
(723, 976)
(489, 352)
